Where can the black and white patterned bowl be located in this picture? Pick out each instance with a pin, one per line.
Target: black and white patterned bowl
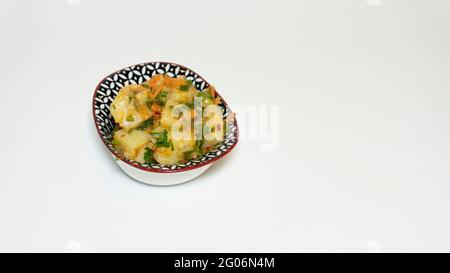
(156, 174)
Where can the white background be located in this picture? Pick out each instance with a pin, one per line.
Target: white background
(363, 159)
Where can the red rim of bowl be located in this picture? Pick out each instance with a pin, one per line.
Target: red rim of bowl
(150, 169)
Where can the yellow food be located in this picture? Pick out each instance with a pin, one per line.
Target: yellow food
(128, 108)
(154, 121)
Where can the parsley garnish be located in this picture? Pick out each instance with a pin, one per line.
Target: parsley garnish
(145, 124)
(115, 142)
(148, 156)
(162, 139)
(207, 98)
(188, 155)
(116, 127)
(184, 87)
(161, 99)
(198, 147)
(146, 86)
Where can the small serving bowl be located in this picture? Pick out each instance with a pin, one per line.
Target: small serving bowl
(155, 174)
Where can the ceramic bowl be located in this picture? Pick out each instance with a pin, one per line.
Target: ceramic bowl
(155, 174)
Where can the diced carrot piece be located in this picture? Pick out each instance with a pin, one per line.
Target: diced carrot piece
(173, 82)
(212, 91)
(143, 112)
(156, 80)
(156, 109)
(156, 83)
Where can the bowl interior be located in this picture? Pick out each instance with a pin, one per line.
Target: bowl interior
(108, 89)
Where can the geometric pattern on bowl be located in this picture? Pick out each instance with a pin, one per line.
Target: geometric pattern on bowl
(108, 88)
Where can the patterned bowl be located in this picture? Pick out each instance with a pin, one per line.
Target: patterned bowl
(155, 174)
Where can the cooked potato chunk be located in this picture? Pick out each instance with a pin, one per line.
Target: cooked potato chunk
(129, 142)
(129, 108)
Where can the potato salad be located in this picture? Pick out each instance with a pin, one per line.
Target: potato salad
(166, 120)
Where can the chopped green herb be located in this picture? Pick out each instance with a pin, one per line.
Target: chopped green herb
(114, 107)
(148, 156)
(198, 147)
(162, 139)
(184, 87)
(207, 98)
(116, 127)
(115, 142)
(161, 99)
(146, 86)
(205, 95)
(145, 124)
(188, 155)
(130, 118)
